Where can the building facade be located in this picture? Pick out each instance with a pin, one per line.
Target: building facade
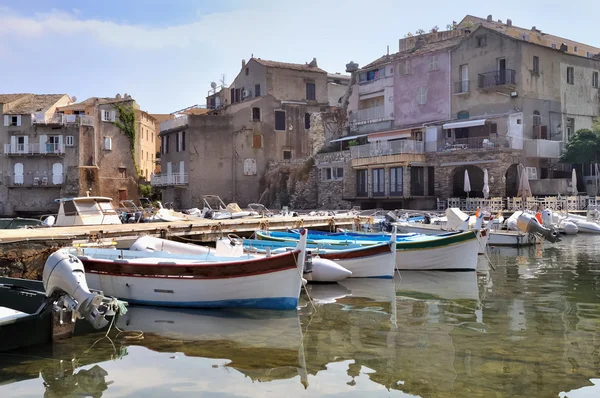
(54, 148)
(227, 151)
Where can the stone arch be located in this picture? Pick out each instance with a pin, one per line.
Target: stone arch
(475, 177)
(512, 180)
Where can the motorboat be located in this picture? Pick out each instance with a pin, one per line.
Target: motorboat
(84, 210)
(164, 279)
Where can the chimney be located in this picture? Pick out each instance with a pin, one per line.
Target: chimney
(243, 63)
(313, 63)
(489, 18)
(420, 42)
(509, 22)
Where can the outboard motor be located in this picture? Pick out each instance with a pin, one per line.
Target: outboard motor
(529, 224)
(426, 219)
(64, 276)
(308, 265)
(547, 218)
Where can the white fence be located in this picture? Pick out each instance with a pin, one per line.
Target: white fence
(381, 148)
(34, 149)
(161, 180)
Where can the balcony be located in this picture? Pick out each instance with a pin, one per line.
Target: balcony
(34, 149)
(497, 79)
(475, 143)
(163, 180)
(462, 87)
(543, 149)
(369, 115)
(62, 120)
(174, 123)
(29, 181)
(387, 152)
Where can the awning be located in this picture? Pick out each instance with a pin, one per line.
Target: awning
(371, 95)
(390, 135)
(466, 123)
(348, 138)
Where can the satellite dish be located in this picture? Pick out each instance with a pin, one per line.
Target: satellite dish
(74, 99)
(213, 85)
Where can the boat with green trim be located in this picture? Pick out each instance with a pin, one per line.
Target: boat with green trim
(449, 251)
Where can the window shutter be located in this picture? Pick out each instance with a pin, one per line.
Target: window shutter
(13, 144)
(18, 120)
(6, 120)
(43, 140)
(113, 116)
(183, 141)
(26, 144)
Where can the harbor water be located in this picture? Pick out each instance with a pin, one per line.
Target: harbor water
(528, 328)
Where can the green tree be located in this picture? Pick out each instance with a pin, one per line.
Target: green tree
(583, 148)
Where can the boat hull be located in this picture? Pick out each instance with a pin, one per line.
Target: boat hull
(270, 283)
(457, 252)
(494, 238)
(371, 262)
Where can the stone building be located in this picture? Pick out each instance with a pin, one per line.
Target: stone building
(468, 99)
(228, 150)
(54, 148)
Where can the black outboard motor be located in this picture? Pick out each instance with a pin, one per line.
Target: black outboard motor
(427, 219)
(208, 214)
(308, 265)
(386, 224)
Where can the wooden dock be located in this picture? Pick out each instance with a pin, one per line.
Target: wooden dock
(197, 229)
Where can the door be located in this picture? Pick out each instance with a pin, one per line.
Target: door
(169, 172)
(18, 169)
(182, 172)
(57, 173)
(501, 71)
(464, 78)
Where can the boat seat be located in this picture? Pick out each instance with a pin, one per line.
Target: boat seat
(9, 315)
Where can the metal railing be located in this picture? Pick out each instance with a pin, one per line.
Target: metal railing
(30, 180)
(461, 87)
(34, 149)
(497, 78)
(382, 148)
(62, 119)
(370, 114)
(159, 180)
(477, 143)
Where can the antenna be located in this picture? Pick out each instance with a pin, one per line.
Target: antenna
(223, 80)
(213, 85)
(388, 49)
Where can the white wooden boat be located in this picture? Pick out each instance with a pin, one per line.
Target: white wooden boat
(160, 279)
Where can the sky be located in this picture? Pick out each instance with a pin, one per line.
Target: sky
(166, 53)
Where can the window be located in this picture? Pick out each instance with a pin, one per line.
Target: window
(536, 64)
(181, 141)
(257, 90)
(361, 183)
(422, 95)
(311, 94)
(396, 179)
(338, 173)
(247, 71)
(407, 67)
(332, 173)
(257, 141)
(575, 49)
(106, 116)
(537, 119)
(107, 143)
(307, 121)
(280, 120)
(122, 172)
(256, 114)
(553, 45)
(371, 75)
(525, 36)
(287, 154)
(326, 174)
(417, 180)
(570, 128)
(570, 75)
(589, 54)
(462, 115)
(238, 95)
(434, 63)
(481, 41)
(595, 79)
(15, 120)
(378, 182)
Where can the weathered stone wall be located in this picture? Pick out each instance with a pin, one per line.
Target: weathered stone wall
(290, 184)
(496, 162)
(330, 193)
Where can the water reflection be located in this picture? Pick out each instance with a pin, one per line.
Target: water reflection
(528, 328)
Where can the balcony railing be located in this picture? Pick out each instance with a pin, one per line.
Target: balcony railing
(161, 180)
(382, 148)
(34, 149)
(61, 119)
(368, 115)
(30, 180)
(475, 143)
(497, 78)
(546, 149)
(462, 87)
